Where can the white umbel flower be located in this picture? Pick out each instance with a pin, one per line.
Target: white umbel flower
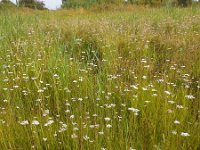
(25, 122)
(185, 134)
(35, 122)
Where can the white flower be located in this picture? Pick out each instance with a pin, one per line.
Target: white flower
(160, 80)
(107, 119)
(167, 92)
(44, 139)
(25, 122)
(49, 123)
(80, 99)
(46, 112)
(40, 91)
(108, 126)
(171, 102)
(134, 86)
(185, 134)
(67, 111)
(74, 136)
(170, 111)
(174, 132)
(55, 134)
(56, 75)
(190, 97)
(136, 111)
(75, 129)
(179, 106)
(35, 122)
(63, 128)
(72, 116)
(144, 77)
(86, 137)
(144, 89)
(154, 95)
(94, 115)
(92, 126)
(176, 122)
(101, 133)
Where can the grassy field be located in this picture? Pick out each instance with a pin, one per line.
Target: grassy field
(120, 79)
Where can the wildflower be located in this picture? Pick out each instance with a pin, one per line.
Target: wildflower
(96, 125)
(5, 100)
(62, 129)
(108, 126)
(144, 89)
(144, 77)
(92, 126)
(38, 100)
(167, 92)
(40, 91)
(160, 80)
(107, 119)
(80, 99)
(35, 122)
(136, 111)
(94, 115)
(15, 86)
(25, 122)
(154, 95)
(55, 134)
(189, 97)
(176, 122)
(174, 132)
(147, 66)
(48, 123)
(171, 102)
(134, 86)
(67, 111)
(170, 111)
(74, 136)
(56, 75)
(44, 139)
(185, 134)
(46, 112)
(75, 81)
(101, 133)
(86, 138)
(72, 116)
(179, 106)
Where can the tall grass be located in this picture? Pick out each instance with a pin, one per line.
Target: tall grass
(79, 79)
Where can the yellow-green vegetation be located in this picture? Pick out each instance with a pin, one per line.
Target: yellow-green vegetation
(117, 80)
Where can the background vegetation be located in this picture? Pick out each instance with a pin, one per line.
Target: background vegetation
(101, 3)
(124, 78)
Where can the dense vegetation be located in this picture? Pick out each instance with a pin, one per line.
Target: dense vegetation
(106, 3)
(34, 4)
(31, 4)
(37, 4)
(125, 78)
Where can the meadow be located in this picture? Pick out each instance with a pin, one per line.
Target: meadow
(125, 78)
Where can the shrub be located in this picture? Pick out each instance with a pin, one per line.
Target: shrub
(32, 4)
